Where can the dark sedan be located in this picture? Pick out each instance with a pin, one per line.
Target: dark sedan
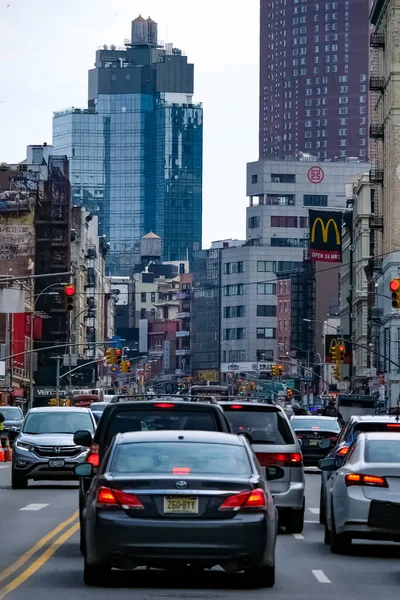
(171, 499)
(317, 435)
(12, 424)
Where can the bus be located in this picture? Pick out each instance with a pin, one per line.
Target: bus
(218, 391)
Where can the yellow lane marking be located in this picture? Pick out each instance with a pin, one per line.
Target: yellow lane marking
(32, 551)
(39, 562)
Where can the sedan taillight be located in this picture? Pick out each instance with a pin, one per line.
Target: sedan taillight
(117, 499)
(366, 480)
(93, 456)
(255, 500)
(279, 459)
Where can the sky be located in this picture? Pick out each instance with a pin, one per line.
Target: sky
(48, 46)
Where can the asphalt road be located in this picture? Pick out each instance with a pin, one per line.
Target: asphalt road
(40, 560)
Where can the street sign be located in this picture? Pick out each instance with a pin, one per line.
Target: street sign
(70, 360)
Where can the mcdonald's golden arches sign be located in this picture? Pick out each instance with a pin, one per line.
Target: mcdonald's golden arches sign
(325, 236)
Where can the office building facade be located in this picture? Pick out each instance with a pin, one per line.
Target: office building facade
(136, 151)
(314, 65)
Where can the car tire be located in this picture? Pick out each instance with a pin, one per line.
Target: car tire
(294, 521)
(322, 510)
(340, 542)
(260, 577)
(18, 481)
(82, 543)
(95, 575)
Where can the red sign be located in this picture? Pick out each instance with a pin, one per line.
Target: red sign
(315, 175)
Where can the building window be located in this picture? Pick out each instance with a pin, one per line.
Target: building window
(264, 266)
(234, 267)
(266, 289)
(315, 200)
(234, 312)
(287, 242)
(304, 222)
(234, 290)
(254, 179)
(254, 222)
(283, 221)
(282, 178)
(143, 297)
(265, 310)
(235, 334)
(153, 296)
(276, 200)
(266, 333)
(142, 313)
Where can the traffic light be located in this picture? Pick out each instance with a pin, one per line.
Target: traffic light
(289, 393)
(342, 352)
(336, 353)
(110, 356)
(118, 356)
(395, 289)
(69, 291)
(274, 370)
(126, 367)
(336, 372)
(280, 370)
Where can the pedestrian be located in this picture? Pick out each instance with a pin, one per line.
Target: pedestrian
(298, 410)
(332, 411)
(2, 419)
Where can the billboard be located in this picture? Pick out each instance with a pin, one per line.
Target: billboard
(335, 340)
(325, 236)
(17, 238)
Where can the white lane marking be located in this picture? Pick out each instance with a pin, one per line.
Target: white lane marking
(321, 577)
(34, 507)
(298, 536)
(314, 511)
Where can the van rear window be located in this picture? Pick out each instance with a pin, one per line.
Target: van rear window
(125, 421)
(264, 427)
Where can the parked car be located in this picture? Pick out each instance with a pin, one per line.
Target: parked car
(145, 415)
(13, 420)
(279, 453)
(363, 495)
(349, 433)
(45, 449)
(169, 499)
(318, 436)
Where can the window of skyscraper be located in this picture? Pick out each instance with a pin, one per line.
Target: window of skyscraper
(315, 200)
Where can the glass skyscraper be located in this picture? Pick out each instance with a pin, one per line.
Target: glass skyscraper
(136, 151)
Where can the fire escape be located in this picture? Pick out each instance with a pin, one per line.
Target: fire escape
(90, 288)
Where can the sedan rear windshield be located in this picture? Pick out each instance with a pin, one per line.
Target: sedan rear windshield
(382, 451)
(125, 421)
(181, 458)
(315, 424)
(57, 422)
(264, 427)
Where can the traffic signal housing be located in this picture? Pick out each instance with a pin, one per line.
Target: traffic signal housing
(69, 296)
(336, 353)
(280, 370)
(118, 356)
(274, 370)
(336, 372)
(109, 356)
(342, 352)
(395, 290)
(126, 367)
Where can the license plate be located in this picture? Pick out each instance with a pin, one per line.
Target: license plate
(176, 505)
(56, 463)
(314, 442)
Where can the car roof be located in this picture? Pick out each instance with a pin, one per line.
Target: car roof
(63, 409)
(380, 435)
(209, 437)
(374, 418)
(298, 417)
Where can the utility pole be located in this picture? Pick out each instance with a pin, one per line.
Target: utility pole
(58, 359)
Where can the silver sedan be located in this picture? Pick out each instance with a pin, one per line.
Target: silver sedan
(363, 494)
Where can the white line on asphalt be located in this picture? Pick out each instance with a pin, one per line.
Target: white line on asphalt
(298, 536)
(34, 507)
(314, 511)
(321, 577)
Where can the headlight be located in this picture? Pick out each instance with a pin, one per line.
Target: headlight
(23, 446)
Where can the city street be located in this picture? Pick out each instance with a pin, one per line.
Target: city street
(40, 558)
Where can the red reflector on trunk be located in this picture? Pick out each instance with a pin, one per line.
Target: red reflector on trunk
(236, 406)
(393, 425)
(181, 470)
(279, 459)
(164, 405)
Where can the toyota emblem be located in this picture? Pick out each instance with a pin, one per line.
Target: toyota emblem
(181, 485)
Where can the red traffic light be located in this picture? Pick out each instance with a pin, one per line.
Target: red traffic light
(69, 290)
(394, 285)
(342, 348)
(118, 352)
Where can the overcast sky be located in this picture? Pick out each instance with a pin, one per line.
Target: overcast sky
(47, 47)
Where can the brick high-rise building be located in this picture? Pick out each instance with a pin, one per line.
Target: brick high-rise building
(314, 65)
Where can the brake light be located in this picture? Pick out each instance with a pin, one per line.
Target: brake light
(393, 425)
(236, 406)
(368, 480)
(164, 405)
(181, 470)
(116, 498)
(343, 451)
(245, 500)
(279, 459)
(94, 457)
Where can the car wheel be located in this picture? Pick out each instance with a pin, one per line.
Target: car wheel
(322, 513)
(82, 544)
(294, 521)
(260, 576)
(95, 575)
(18, 481)
(340, 542)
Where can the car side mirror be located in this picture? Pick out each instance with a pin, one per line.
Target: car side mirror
(328, 464)
(247, 435)
(84, 470)
(83, 438)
